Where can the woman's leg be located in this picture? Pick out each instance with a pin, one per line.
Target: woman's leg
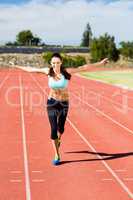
(56, 147)
(62, 118)
(52, 115)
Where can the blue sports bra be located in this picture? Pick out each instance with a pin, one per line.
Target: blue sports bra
(57, 84)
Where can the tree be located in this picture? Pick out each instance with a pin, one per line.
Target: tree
(11, 43)
(87, 36)
(24, 37)
(102, 47)
(35, 41)
(127, 49)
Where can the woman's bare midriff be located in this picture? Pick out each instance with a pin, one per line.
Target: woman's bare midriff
(59, 94)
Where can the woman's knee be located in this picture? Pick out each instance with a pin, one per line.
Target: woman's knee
(61, 129)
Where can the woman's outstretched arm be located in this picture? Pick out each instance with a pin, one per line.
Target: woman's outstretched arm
(87, 66)
(44, 70)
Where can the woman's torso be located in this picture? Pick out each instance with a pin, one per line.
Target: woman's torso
(58, 88)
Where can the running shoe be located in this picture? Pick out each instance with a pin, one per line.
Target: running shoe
(56, 160)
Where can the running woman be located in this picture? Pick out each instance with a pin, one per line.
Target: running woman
(58, 98)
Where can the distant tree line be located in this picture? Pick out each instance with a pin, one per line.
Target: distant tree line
(26, 38)
(126, 49)
(101, 47)
(105, 46)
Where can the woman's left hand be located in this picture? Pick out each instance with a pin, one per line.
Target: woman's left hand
(104, 61)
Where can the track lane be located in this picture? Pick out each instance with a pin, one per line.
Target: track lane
(12, 184)
(109, 91)
(129, 192)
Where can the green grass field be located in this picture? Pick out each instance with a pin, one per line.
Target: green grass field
(122, 78)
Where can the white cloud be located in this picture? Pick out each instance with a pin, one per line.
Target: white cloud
(64, 23)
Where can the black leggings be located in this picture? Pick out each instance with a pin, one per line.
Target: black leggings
(57, 113)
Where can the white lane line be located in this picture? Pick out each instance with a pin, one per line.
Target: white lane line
(35, 171)
(125, 188)
(20, 141)
(26, 164)
(104, 163)
(15, 172)
(120, 170)
(16, 181)
(2, 83)
(107, 179)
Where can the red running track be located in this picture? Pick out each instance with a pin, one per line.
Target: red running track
(97, 146)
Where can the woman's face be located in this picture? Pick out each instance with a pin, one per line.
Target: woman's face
(56, 64)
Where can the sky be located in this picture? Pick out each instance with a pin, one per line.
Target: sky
(64, 21)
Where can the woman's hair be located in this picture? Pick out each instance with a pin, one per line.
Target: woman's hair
(62, 69)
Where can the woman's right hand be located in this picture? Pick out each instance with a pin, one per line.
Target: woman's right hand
(14, 66)
(11, 64)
